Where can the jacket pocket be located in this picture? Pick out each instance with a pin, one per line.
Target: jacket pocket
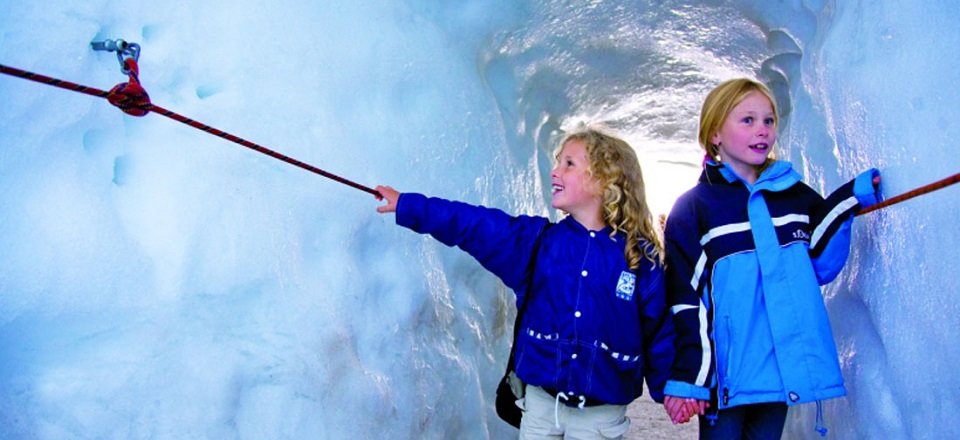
(615, 429)
(724, 343)
(615, 373)
(538, 357)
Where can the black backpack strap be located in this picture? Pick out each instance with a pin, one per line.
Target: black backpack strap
(531, 266)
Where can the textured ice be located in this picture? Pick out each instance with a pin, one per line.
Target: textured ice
(158, 282)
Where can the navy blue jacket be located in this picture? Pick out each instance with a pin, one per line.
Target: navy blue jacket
(594, 328)
(744, 268)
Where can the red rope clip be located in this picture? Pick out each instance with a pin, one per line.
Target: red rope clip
(130, 96)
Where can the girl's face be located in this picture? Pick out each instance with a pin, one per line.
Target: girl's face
(575, 190)
(747, 136)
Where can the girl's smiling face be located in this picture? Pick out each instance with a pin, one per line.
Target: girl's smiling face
(747, 136)
(575, 190)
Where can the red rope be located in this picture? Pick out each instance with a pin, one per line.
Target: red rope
(130, 96)
(53, 81)
(133, 99)
(942, 183)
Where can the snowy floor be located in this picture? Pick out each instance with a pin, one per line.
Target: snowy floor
(648, 421)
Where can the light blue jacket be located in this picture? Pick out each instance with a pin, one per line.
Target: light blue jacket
(744, 269)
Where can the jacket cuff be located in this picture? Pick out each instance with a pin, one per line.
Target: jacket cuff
(863, 188)
(409, 205)
(686, 390)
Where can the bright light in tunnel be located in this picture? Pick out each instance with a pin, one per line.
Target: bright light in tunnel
(669, 169)
(660, 123)
(670, 166)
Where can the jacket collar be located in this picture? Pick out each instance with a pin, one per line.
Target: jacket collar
(572, 223)
(778, 176)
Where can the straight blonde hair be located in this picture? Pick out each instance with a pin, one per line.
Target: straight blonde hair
(718, 105)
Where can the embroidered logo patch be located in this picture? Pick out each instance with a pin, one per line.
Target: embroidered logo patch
(625, 285)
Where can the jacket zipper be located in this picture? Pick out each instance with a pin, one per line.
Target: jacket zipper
(726, 373)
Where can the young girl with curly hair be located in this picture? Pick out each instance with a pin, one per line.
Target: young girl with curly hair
(597, 323)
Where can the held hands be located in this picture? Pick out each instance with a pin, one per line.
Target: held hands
(681, 410)
(390, 195)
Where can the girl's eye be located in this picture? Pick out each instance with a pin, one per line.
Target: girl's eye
(769, 121)
(747, 120)
(569, 163)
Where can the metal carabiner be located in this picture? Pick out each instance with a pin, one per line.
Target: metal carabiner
(123, 49)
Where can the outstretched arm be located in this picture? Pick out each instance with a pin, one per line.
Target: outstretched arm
(390, 195)
(831, 220)
(496, 239)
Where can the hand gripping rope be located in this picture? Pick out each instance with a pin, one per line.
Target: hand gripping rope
(930, 187)
(132, 99)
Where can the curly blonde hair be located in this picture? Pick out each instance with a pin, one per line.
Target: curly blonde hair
(615, 166)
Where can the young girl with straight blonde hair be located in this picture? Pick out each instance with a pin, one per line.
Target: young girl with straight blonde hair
(747, 250)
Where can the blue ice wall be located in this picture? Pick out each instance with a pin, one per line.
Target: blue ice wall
(158, 282)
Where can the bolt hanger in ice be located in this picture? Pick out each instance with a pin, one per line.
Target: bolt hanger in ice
(123, 49)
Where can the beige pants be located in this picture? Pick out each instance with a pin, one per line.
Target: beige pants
(547, 417)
